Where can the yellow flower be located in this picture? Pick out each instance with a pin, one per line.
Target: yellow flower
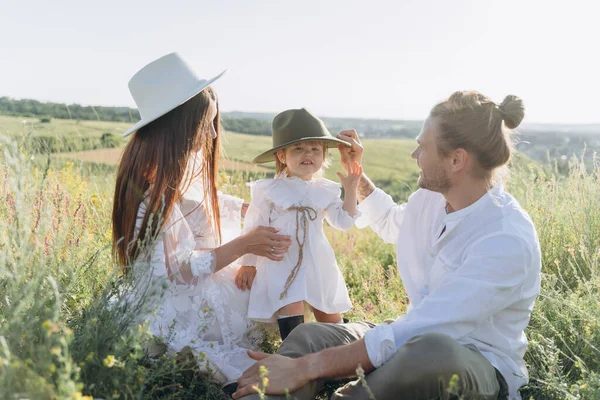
(56, 351)
(109, 361)
(79, 396)
(47, 324)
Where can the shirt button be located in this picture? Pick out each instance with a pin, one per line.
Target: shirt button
(432, 255)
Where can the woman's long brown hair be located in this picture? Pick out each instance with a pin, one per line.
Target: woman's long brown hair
(155, 161)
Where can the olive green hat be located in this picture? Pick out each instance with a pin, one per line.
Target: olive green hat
(294, 126)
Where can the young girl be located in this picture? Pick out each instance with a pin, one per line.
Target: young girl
(295, 203)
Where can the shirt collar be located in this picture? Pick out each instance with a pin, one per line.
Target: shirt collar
(459, 215)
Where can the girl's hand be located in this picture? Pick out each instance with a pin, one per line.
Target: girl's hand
(350, 182)
(265, 242)
(245, 277)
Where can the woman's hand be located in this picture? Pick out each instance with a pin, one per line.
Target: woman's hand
(245, 277)
(350, 182)
(349, 155)
(265, 242)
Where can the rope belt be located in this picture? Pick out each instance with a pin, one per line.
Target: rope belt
(303, 214)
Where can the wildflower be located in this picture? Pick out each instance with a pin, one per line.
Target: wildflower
(56, 351)
(453, 386)
(47, 324)
(109, 361)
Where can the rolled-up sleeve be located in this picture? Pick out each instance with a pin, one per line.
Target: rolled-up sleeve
(380, 344)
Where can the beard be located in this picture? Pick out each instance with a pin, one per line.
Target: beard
(435, 180)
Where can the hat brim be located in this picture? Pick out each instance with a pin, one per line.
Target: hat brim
(193, 92)
(269, 155)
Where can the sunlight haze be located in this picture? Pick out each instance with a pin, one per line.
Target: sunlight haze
(387, 59)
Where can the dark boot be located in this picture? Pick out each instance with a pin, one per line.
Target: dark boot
(230, 389)
(288, 323)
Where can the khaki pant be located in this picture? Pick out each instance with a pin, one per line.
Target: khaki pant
(421, 369)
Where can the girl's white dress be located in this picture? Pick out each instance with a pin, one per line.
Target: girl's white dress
(289, 204)
(210, 314)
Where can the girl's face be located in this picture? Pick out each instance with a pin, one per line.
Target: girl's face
(302, 159)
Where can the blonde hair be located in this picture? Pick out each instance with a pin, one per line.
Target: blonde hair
(472, 121)
(280, 167)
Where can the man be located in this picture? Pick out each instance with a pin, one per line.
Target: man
(469, 259)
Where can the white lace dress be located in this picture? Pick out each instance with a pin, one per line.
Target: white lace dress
(210, 314)
(288, 203)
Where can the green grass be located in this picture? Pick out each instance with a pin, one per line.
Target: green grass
(386, 161)
(59, 338)
(59, 127)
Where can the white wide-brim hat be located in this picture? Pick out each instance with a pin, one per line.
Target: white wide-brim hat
(162, 86)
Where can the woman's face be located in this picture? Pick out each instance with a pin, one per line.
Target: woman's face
(211, 116)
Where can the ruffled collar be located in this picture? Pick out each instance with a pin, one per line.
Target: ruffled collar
(289, 191)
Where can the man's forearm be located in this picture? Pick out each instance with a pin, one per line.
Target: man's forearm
(338, 362)
(365, 187)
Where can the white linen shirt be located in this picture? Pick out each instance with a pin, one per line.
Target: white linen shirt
(477, 282)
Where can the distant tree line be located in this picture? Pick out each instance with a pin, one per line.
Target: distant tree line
(33, 108)
(235, 121)
(247, 125)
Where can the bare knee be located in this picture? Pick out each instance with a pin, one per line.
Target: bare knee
(328, 318)
(292, 309)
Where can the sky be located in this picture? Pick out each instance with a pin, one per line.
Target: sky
(341, 58)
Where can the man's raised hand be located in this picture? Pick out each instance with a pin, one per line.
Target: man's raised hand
(349, 155)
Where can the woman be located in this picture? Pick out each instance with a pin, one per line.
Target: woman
(172, 227)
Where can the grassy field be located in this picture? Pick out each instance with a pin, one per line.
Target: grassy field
(62, 127)
(65, 321)
(387, 161)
